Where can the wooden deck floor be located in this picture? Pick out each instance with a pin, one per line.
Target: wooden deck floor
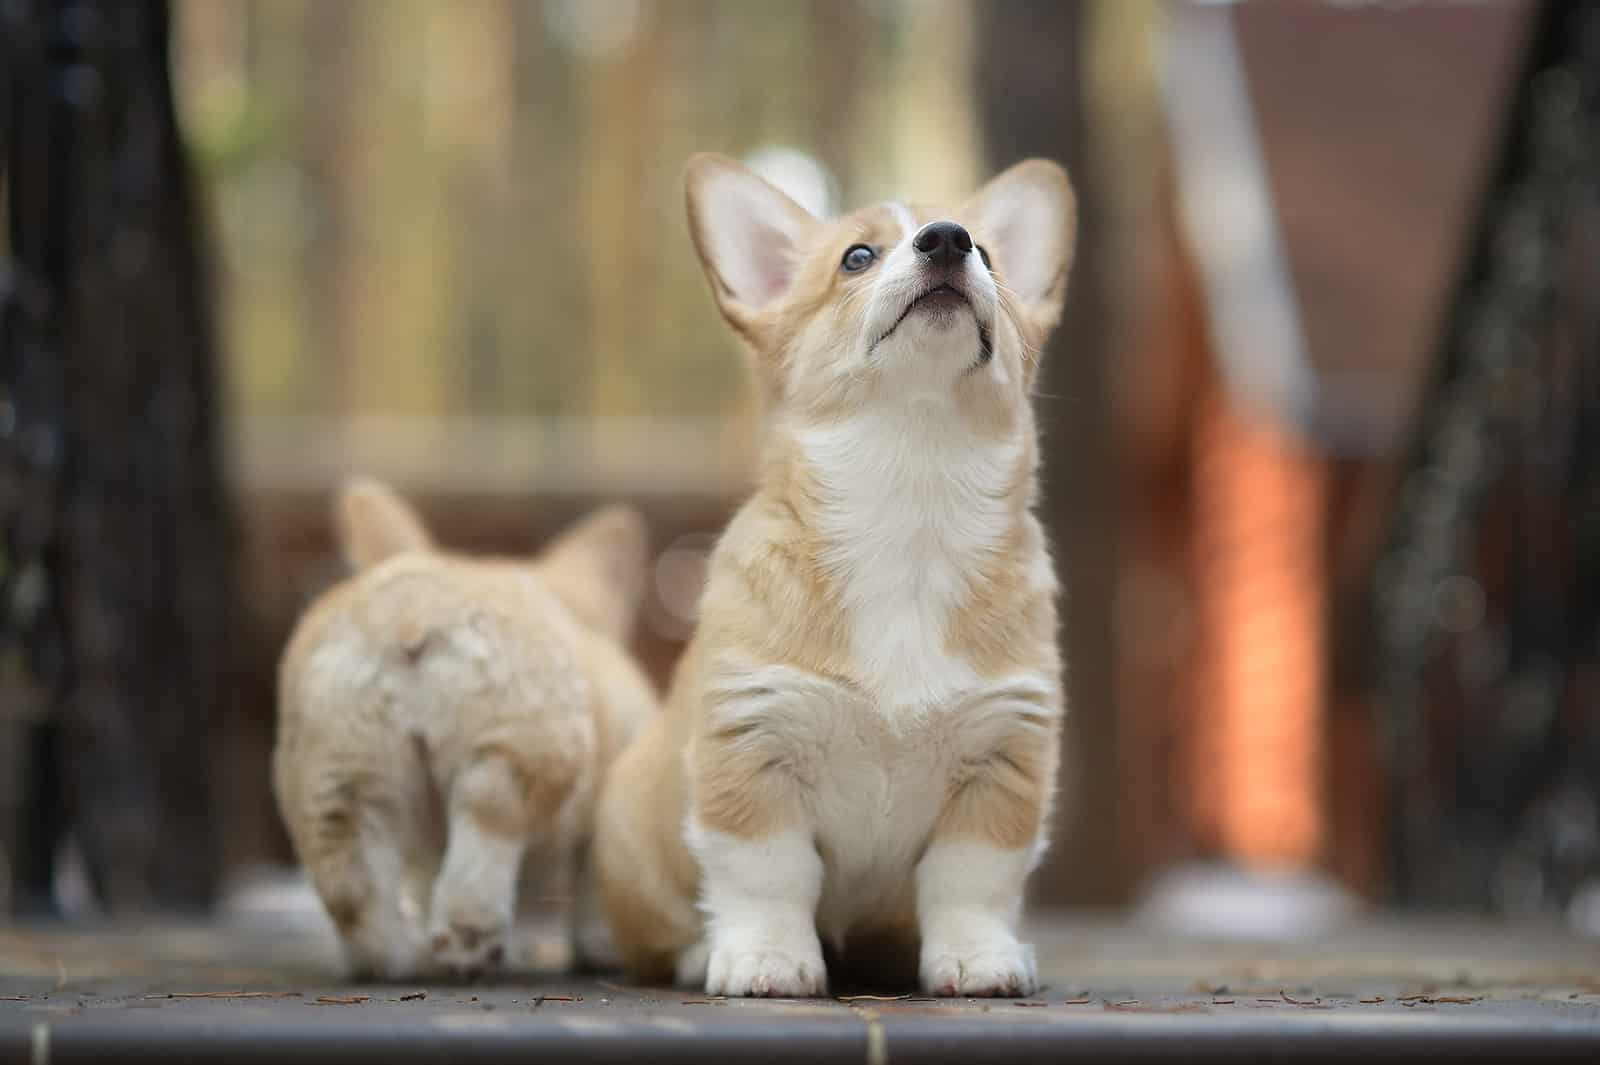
(245, 992)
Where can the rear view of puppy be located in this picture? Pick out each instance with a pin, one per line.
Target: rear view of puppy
(439, 716)
(860, 747)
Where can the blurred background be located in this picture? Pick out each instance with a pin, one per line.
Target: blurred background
(1318, 428)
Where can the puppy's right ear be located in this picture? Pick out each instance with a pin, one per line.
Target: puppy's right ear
(372, 523)
(749, 236)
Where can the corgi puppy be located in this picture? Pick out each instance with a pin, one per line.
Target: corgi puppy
(861, 742)
(439, 716)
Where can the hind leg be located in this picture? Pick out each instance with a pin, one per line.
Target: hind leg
(386, 941)
(474, 897)
(645, 877)
(355, 852)
(593, 947)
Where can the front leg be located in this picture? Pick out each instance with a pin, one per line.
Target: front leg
(761, 875)
(760, 901)
(969, 900)
(989, 836)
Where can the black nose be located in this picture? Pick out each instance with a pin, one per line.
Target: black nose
(943, 242)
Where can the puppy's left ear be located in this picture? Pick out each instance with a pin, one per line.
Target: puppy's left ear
(598, 565)
(1027, 220)
(372, 522)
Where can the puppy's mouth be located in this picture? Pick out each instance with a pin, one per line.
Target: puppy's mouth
(944, 299)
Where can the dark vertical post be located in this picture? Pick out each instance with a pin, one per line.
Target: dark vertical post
(1485, 624)
(1030, 73)
(115, 578)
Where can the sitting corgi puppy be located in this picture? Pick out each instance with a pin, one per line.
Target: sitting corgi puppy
(861, 742)
(439, 716)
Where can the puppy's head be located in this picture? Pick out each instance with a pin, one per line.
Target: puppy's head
(892, 304)
(597, 566)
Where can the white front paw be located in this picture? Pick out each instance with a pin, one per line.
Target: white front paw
(766, 972)
(991, 970)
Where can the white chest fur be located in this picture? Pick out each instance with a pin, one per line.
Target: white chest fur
(912, 506)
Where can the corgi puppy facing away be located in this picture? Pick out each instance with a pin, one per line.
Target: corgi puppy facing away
(439, 716)
(861, 743)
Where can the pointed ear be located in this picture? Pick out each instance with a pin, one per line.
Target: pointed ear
(747, 232)
(1026, 218)
(372, 522)
(597, 567)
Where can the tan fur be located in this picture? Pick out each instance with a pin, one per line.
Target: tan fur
(772, 600)
(433, 706)
(372, 523)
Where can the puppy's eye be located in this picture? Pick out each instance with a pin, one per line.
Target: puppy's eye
(857, 258)
(983, 253)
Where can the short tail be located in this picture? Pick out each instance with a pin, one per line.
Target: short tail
(373, 523)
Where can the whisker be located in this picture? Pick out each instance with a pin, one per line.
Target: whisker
(1030, 353)
(1001, 286)
(853, 296)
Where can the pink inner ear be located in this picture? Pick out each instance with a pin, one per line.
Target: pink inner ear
(751, 232)
(1022, 232)
(764, 252)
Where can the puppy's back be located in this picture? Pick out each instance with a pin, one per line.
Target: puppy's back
(427, 655)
